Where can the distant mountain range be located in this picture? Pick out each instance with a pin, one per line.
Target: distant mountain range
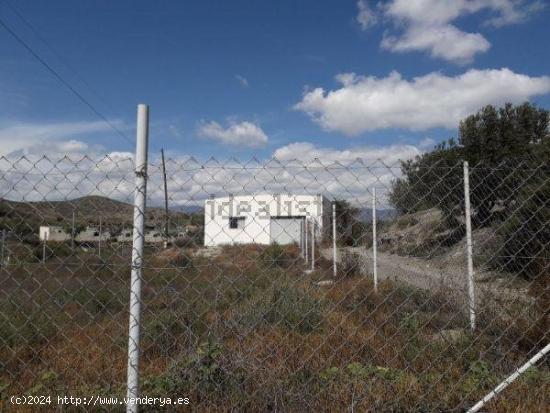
(365, 214)
(88, 210)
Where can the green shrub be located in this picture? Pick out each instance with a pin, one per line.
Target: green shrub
(278, 256)
(163, 333)
(24, 326)
(526, 233)
(53, 250)
(92, 300)
(286, 305)
(351, 264)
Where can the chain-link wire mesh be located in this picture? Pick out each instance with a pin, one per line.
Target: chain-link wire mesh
(241, 308)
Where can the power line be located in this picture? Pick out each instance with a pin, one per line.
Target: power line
(63, 81)
(57, 54)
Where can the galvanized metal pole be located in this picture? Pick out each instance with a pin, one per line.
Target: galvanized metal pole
(510, 379)
(312, 245)
(142, 138)
(469, 254)
(72, 233)
(334, 238)
(44, 248)
(306, 229)
(165, 201)
(374, 243)
(3, 243)
(99, 244)
(302, 239)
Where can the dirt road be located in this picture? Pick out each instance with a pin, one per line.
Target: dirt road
(438, 276)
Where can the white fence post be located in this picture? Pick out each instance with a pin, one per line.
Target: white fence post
(302, 239)
(3, 246)
(334, 270)
(73, 233)
(510, 379)
(470, 263)
(44, 248)
(374, 243)
(140, 195)
(99, 244)
(312, 244)
(306, 246)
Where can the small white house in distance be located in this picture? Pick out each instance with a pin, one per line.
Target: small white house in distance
(263, 219)
(92, 234)
(53, 233)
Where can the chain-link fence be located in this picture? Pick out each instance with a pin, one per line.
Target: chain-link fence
(242, 305)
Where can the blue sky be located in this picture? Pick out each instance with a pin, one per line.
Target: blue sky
(257, 78)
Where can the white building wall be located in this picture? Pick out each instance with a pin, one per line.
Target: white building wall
(92, 234)
(52, 233)
(257, 211)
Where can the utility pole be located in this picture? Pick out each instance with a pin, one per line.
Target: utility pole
(165, 200)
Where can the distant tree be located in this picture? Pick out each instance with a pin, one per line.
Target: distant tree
(495, 137)
(508, 149)
(486, 140)
(350, 230)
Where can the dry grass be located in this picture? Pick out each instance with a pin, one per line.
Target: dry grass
(248, 331)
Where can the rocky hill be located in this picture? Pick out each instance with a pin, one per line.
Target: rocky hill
(26, 217)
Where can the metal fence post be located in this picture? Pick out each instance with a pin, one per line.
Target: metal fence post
(334, 270)
(44, 248)
(374, 244)
(140, 195)
(72, 232)
(99, 244)
(305, 232)
(3, 243)
(312, 245)
(510, 379)
(302, 239)
(470, 263)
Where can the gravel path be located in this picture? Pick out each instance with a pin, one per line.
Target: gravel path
(437, 276)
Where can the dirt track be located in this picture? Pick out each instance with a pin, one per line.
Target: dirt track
(437, 275)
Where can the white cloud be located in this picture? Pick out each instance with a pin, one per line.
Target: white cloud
(366, 16)
(389, 154)
(426, 143)
(299, 167)
(366, 103)
(442, 41)
(242, 80)
(37, 137)
(426, 25)
(243, 134)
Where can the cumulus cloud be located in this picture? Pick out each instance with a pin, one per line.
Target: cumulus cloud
(442, 41)
(367, 103)
(297, 168)
(237, 133)
(366, 17)
(51, 137)
(389, 154)
(427, 25)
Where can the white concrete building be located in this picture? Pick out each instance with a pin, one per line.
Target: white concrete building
(53, 233)
(92, 234)
(263, 219)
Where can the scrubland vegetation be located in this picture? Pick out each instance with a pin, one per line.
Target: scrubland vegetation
(247, 330)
